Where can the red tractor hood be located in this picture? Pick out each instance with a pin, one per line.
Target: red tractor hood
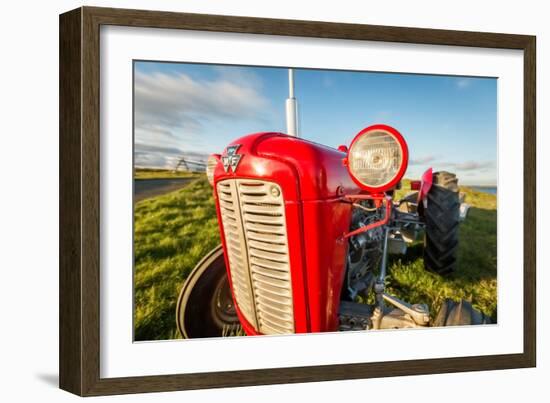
(316, 171)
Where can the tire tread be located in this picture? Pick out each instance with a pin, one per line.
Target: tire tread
(442, 224)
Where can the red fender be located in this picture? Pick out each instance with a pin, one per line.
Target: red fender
(425, 186)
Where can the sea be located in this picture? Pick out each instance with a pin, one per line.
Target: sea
(485, 189)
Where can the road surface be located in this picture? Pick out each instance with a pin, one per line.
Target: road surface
(146, 188)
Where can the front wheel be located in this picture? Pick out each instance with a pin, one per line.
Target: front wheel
(205, 305)
(442, 216)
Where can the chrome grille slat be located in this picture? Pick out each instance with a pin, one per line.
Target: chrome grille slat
(269, 264)
(271, 290)
(274, 304)
(226, 204)
(262, 254)
(267, 294)
(275, 282)
(281, 275)
(266, 229)
(231, 231)
(270, 328)
(259, 208)
(233, 241)
(247, 189)
(269, 238)
(274, 317)
(253, 220)
(254, 198)
(267, 246)
(264, 219)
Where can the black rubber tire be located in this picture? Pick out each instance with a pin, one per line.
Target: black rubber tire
(442, 221)
(460, 313)
(198, 311)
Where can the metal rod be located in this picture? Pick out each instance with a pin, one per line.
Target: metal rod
(291, 107)
(379, 286)
(384, 263)
(291, 83)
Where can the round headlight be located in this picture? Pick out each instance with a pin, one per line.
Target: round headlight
(211, 163)
(377, 158)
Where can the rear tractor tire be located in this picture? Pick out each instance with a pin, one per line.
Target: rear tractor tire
(442, 220)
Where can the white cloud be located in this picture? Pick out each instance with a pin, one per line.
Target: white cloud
(172, 111)
(472, 165)
(422, 160)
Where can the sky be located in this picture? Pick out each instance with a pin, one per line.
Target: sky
(449, 122)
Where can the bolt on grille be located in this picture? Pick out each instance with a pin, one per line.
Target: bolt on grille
(253, 220)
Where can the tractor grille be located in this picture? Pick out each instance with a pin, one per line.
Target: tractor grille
(253, 219)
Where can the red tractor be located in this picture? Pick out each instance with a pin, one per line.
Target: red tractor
(306, 231)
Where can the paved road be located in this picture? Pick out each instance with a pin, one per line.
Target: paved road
(146, 188)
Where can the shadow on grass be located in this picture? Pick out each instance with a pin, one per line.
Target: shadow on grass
(474, 280)
(477, 247)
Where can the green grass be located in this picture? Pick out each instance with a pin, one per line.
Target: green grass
(476, 277)
(150, 173)
(174, 231)
(171, 234)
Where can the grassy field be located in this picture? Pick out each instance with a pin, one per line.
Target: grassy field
(476, 277)
(171, 234)
(174, 231)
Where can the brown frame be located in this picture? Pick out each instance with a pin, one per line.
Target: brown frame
(79, 200)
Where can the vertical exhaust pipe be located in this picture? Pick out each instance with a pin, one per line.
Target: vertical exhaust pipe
(291, 107)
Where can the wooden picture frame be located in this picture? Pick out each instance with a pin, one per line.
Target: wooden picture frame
(79, 200)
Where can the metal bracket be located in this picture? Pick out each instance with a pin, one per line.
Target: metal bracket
(418, 314)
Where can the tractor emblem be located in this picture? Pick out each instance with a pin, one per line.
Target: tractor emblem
(231, 159)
